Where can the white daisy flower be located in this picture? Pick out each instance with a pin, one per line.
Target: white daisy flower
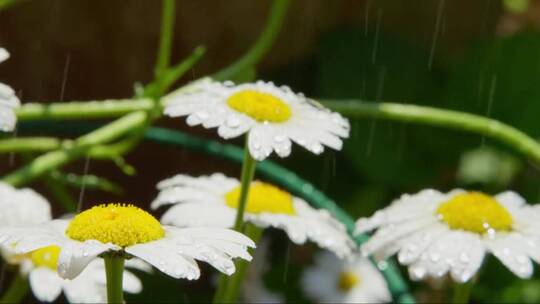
(272, 116)
(132, 231)
(8, 101)
(436, 233)
(89, 287)
(333, 280)
(215, 199)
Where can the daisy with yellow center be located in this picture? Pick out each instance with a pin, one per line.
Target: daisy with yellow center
(333, 280)
(88, 287)
(437, 234)
(215, 198)
(8, 101)
(117, 230)
(272, 116)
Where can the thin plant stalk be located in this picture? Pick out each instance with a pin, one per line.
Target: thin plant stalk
(248, 171)
(235, 281)
(114, 269)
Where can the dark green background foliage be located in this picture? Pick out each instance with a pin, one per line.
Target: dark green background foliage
(486, 60)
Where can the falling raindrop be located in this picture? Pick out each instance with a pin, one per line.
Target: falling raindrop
(376, 39)
(493, 85)
(436, 33)
(65, 76)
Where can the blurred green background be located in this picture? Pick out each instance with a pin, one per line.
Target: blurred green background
(478, 56)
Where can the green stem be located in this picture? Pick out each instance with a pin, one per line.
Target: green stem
(114, 269)
(441, 118)
(49, 161)
(166, 39)
(16, 291)
(462, 293)
(234, 284)
(82, 109)
(263, 44)
(29, 144)
(248, 171)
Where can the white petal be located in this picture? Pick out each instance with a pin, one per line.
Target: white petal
(81, 290)
(163, 255)
(4, 55)
(407, 207)
(393, 233)
(512, 253)
(131, 283)
(260, 139)
(175, 195)
(199, 214)
(8, 98)
(510, 199)
(75, 256)
(235, 125)
(138, 264)
(46, 285)
(210, 234)
(412, 247)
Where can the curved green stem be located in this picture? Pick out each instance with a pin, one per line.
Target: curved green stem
(16, 291)
(165, 44)
(441, 118)
(166, 36)
(114, 269)
(263, 44)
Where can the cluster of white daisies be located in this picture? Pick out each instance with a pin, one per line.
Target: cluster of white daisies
(433, 233)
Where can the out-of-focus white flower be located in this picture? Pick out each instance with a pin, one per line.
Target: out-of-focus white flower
(88, 287)
(253, 289)
(132, 231)
(8, 101)
(333, 280)
(214, 200)
(22, 206)
(437, 233)
(272, 116)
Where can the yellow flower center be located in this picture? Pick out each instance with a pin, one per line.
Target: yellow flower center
(45, 257)
(262, 197)
(122, 225)
(347, 280)
(475, 212)
(260, 106)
